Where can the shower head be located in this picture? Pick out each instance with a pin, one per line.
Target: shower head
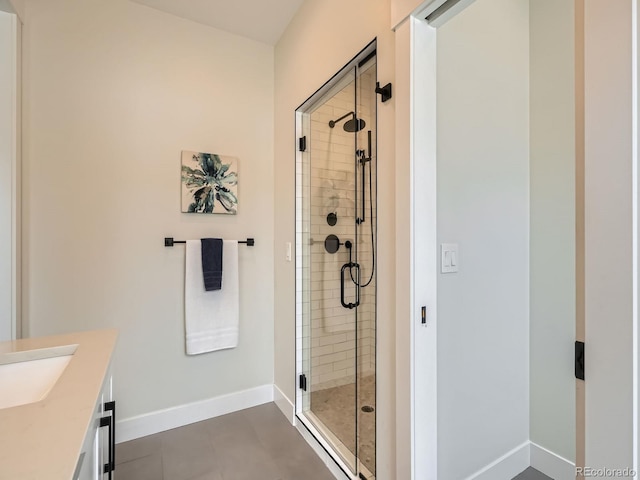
(351, 126)
(354, 125)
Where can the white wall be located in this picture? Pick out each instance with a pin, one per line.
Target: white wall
(323, 36)
(482, 205)
(552, 260)
(114, 92)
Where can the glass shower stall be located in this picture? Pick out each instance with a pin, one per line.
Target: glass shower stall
(336, 225)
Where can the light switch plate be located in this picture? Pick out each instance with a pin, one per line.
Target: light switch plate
(449, 258)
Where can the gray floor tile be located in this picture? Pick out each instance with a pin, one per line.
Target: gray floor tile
(145, 468)
(532, 474)
(300, 464)
(138, 448)
(237, 450)
(229, 429)
(265, 416)
(254, 443)
(187, 452)
(293, 457)
(244, 460)
(276, 435)
(208, 476)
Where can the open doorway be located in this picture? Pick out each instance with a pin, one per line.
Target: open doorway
(493, 133)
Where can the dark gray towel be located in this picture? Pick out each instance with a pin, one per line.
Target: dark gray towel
(212, 263)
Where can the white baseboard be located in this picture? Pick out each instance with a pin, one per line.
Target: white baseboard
(161, 420)
(284, 404)
(551, 464)
(506, 467)
(528, 454)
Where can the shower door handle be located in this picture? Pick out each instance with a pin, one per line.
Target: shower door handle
(350, 265)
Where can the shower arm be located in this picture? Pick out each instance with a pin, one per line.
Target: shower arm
(332, 123)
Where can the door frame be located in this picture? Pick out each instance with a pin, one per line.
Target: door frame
(416, 343)
(11, 303)
(417, 346)
(635, 132)
(301, 125)
(610, 234)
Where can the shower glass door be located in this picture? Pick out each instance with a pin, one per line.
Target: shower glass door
(336, 230)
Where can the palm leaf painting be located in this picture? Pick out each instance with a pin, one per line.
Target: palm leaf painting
(209, 183)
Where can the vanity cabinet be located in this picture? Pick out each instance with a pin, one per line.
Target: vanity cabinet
(97, 458)
(59, 436)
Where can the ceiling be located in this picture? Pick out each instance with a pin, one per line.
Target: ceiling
(259, 20)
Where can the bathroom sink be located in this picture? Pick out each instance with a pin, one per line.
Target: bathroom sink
(28, 376)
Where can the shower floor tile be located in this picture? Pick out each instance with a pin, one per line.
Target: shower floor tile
(334, 407)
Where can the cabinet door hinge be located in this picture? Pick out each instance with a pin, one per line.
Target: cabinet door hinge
(302, 144)
(302, 382)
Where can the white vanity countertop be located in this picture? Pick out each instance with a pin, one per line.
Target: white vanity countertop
(43, 440)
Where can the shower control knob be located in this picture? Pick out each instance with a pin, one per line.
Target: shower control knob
(332, 244)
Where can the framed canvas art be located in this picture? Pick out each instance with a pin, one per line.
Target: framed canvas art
(209, 183)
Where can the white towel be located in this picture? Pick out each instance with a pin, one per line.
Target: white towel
(211, 318)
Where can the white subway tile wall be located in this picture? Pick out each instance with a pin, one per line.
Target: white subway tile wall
(330, 187)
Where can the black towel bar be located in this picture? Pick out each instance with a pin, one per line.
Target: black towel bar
(169, 241)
